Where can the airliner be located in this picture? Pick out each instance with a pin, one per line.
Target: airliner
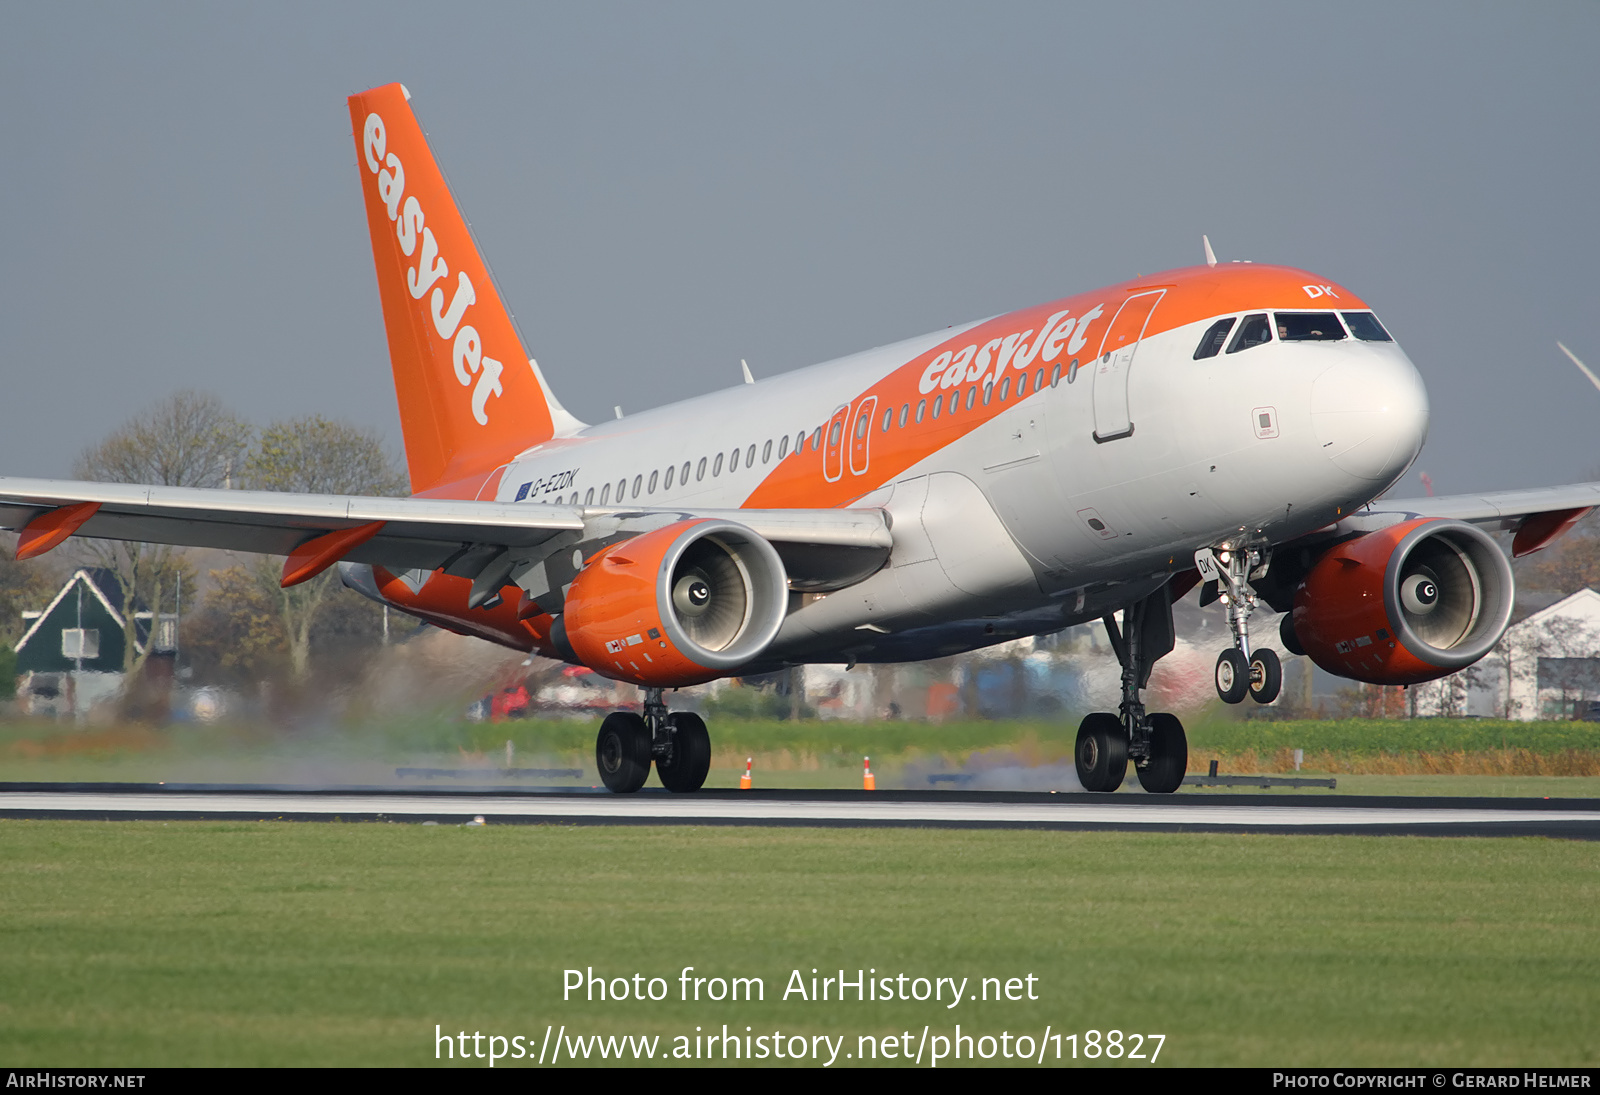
(1093, 458)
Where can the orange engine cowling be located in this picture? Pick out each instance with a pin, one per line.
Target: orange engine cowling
(1406, 604)
(679, 605)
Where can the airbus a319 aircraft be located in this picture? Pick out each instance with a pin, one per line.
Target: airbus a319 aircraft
(1226, 424)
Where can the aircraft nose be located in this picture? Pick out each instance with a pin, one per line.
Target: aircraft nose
(1370, 414)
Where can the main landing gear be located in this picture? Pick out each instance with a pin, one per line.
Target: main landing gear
(1154, 742)
(1240, 669)
(676, 741)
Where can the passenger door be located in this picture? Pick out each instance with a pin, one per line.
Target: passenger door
(1112, 418)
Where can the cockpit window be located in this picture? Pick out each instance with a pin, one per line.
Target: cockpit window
(1309, 327)
(1215, 336)
(1254, 331)
(1365, 326)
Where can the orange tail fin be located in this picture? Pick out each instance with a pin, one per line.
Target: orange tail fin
(470, 397)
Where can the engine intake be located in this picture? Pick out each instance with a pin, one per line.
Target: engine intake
(679, 605)
(1406, 604)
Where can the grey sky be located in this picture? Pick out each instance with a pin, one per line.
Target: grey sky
(663, 189)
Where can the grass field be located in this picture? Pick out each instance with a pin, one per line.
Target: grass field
(1424, 756)
(134, 944)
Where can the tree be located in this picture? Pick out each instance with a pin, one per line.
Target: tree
(315, 456)
(237, 635)
(187, 440)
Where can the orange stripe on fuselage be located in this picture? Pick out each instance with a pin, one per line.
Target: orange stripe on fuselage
(1192, 294)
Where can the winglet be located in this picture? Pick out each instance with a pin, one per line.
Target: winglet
(468, 403)
(748, 379)
(1211, 256)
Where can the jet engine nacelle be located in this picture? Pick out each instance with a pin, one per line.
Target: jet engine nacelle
(680, 605)
(1405, 604)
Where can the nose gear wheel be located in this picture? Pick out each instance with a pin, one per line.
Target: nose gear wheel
(1233, 676)
(1241, 671)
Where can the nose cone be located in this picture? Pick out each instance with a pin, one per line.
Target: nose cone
(1370, 414)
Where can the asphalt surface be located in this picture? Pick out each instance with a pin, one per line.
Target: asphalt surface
(1569, 818)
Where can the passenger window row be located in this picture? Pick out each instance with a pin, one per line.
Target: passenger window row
(1256, 330)
(640, 486)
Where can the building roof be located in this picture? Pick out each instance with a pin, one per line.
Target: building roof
(1583, 605)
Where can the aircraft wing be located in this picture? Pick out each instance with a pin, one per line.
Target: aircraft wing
(1538, 515)
(820, 545)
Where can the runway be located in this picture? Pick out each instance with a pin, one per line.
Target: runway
(1569, 818)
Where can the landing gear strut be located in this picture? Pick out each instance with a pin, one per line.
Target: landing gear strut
(1241, 669)
(1154, 742)
(677, 741)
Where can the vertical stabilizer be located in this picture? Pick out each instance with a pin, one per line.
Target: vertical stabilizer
(470, 398)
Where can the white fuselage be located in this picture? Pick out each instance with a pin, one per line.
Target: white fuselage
(1029, 521)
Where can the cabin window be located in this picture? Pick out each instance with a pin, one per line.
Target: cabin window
(863, 424)
(922, 405)
(668, 484)
(766, 453)
(700, 470)
(1365, 326)
(938, 405)
(1005, 389)
(888, 420)
(588, 497)
(1038, 379)
(716, 468)
(905, 411)
(750, 457)
(683, 474)
(816, 439)
(1254, 331)
(1055, 375)
(653, 477)
(733, 461)
(1308, 327)
(638, 485)
(622, 490)
(1022, 385)
(988, 393)
(972, 396)
(605, 494)
(783, 447)
(1211, 342)
(1072, 370)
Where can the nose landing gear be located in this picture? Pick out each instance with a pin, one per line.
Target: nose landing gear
(677, 741)
(1154, 742)
(1239, 669)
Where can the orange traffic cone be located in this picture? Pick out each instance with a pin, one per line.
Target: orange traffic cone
(744, 780)
(869, 782)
